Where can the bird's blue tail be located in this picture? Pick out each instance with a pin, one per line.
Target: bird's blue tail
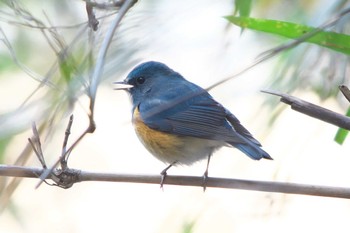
(253, 151)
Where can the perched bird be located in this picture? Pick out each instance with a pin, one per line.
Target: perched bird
(180, 122)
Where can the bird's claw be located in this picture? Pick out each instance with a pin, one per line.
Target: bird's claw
(205, 180)
(163, 174)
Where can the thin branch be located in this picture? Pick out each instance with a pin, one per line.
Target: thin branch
(24, 68)
(36, 145)
(92, 21)
(346, 92)
(64, 154)
(62, 159)
(106, 5)
(95, 79)
(313, 110)
(72, 176)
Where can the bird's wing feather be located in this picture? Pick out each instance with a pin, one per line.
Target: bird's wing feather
(202, 117)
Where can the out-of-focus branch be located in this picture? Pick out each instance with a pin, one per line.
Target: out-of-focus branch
(71, 176)
(346, 92)
(95, 80)
(313, 110)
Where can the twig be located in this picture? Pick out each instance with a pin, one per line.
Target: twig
(74, 176)
(92, 21)
(36, 145)
(108, 5)
(346, 92)
(63, 159)
(64, 154)
(313, 110)
(95, 79)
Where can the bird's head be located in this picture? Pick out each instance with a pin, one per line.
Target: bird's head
(148, 79)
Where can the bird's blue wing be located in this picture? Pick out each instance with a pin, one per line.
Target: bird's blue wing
(198, 116)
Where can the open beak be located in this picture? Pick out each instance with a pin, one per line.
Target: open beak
(122, 86)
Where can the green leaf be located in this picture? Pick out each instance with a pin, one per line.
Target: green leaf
(243, 7)
(6, 63)
(332, 40)
(188, 227)
(4, 142)
(342, 133)
(67, 67)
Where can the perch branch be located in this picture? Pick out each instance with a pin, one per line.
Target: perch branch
(72, 176)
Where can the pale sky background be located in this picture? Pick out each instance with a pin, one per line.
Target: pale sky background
(190, 37)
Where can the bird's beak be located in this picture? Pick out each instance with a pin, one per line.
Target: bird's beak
(122, 85)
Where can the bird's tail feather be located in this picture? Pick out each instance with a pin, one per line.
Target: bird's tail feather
(253, 151)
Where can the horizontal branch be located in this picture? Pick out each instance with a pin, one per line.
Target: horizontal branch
(75, 176)
(313, 110)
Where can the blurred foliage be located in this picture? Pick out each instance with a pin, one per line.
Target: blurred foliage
(3, 145)
(306, 67)
(342, 133)
(6, 63)
(188, 227)
(243, 7)
(335, 41)
(51, 43)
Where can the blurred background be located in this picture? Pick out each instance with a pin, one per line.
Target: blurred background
(47, 54)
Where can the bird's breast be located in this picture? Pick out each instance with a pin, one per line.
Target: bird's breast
(168, 147)
(162, 145)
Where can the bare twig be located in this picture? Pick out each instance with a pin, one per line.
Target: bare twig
(64, 154)
(346, 92)
(72, 176)
(36, 145)
(313, 110)
(95, 79)
(63, 159)
(105, 5)
(92, 21)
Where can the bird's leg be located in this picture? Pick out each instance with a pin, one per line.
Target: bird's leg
(205, 175)
(164, 174)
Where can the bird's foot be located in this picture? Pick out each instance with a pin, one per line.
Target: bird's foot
(163, 174)
(205, 180)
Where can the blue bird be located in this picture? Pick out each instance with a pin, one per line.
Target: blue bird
(180, 122)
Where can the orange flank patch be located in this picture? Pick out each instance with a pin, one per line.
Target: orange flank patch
(162, 145)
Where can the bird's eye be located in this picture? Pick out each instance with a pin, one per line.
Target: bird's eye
(140, 80)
